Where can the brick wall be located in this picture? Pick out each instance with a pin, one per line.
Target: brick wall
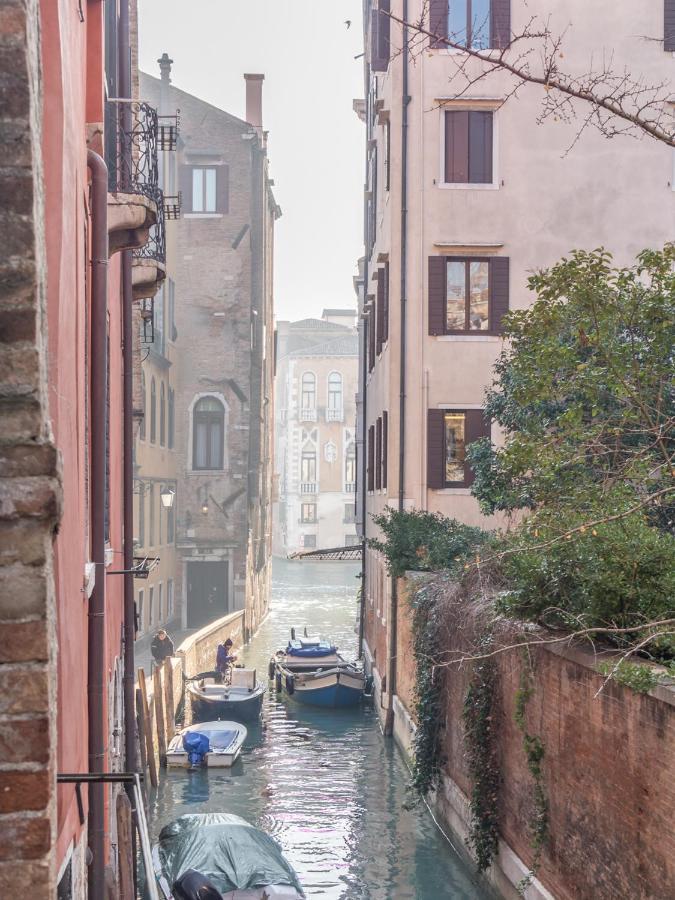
(609, 771)
(29, 483)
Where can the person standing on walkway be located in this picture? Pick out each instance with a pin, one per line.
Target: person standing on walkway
(161, 647)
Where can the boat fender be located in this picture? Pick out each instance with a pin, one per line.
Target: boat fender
(270, 669)
(196, 745)
(290, 684)
(277, 682)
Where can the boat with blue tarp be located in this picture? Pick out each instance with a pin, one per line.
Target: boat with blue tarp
(211, 744)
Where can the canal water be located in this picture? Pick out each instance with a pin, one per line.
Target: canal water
(325, 783)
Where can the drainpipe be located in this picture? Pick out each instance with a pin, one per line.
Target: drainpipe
(129, 626)
(393, 605)
(96, 627)
(364, 451)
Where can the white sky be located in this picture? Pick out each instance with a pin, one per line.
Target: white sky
(315, 141)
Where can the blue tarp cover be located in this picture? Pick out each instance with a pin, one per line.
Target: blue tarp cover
(310, 651)
(226, 849)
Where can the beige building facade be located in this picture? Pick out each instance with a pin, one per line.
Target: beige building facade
(316, 382)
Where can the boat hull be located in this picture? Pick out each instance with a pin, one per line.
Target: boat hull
(239, 710)
(334, 689)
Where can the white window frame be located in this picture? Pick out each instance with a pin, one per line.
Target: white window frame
(492, 106)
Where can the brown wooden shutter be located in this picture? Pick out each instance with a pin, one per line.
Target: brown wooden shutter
(385, 447)
(435, 445)
(383, 34)
(378, 60)
(500, 24)
(438, 22)
(380, 310)
(480, 147)
(499, 292)
(222, 189)
(185, 188)
(371, 337)
(457, 146)
(385, 314)
(371, 458)
(437, 294)
(476, 426)
(378, 453)
(669, 25)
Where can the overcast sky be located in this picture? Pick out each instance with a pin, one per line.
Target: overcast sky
(315, 143)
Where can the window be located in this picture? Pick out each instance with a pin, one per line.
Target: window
(335, 391)
(203, 190)
(467, 294)
(449, 433)
(162, 415)
(308, 466)
(308, 512)
(350, 513)
(171, 419)
(309, 541)
(208, 433)
(151, 501)
(160, 603)
(160, 518)
(478, 24)
(371, 458)
(387, 158)
(308, 397)
(140, 611)
(454, 443)
(171, 524)
(169, 599)
(351, 540)
(151, 605)
(143, 405)
(350, 467)
(153, 411)
(468, 147)
(385, 447)
(378, 453)
(171, 325)
(158, 344)
(141, 514)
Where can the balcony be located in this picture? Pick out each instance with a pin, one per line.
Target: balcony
(334, 414)
(307, 415)
(149, 265)
(350, 487)
(308, 487)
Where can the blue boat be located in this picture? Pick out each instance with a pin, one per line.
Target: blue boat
(313, 672)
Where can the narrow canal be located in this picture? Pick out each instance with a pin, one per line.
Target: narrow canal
(325, 783)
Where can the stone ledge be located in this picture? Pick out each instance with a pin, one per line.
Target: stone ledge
(130, 217)
(147, 276)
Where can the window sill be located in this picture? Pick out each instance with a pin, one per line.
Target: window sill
(467, 186)
(457, 491)
(206, 471)
(203, 215)
(481, 338)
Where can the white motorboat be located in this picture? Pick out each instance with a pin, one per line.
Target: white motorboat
(212, 744)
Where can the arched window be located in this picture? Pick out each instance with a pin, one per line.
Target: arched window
(308, 390)
(153, 412)
(143, 405)
(162, 415)
(172, 418)
(335, 391)
(208, 432)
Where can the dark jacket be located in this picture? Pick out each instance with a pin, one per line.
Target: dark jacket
(194, 886)
(160, 649)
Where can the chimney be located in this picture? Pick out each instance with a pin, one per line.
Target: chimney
(165, 68)
(254, 100)
(165, 64)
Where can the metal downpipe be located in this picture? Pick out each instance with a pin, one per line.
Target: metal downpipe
(98, 406)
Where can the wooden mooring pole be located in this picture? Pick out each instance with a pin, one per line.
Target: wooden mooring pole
(159, 714)
(169, 708)
(147, 727)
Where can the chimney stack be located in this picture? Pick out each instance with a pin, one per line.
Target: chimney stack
(254, 100)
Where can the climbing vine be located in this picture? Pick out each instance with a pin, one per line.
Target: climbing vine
(481, 752)
(534, 754)
(429, 715)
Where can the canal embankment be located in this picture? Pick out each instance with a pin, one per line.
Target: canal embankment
(581, 768)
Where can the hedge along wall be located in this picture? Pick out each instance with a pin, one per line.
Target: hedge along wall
(608, 771)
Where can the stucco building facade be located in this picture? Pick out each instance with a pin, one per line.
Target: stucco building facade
(466, 195)
(317, 364)
(218, 298)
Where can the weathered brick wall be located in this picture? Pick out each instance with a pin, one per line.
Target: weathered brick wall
(29, 484)
(609, 771)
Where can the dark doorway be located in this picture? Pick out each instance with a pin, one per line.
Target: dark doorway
(207, 594)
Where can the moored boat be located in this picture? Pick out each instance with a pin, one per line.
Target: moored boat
(232, 857)
(211, 744)
(238, 698)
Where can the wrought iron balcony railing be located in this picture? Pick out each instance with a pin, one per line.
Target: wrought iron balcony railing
(155, 248)
(131, 147)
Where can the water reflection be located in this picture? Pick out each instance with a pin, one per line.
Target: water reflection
(324, 782)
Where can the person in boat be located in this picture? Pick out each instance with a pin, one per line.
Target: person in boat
(224, 659)
(192, 885)
(161, 647)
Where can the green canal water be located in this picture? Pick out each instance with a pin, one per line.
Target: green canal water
(326, 784)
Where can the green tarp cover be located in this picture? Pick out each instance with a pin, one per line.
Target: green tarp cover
(231, 853)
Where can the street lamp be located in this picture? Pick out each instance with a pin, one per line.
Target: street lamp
(167, 496)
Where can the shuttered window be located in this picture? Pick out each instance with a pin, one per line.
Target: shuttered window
(381, 309)
(205, 189)
(479, 24)
(669, 25)
(378, 453)
(385, 314)
(467, 294)
(372, 325)
(380, 37)
(370, 472)
(385, 447)
(468, 146)
(449, 433)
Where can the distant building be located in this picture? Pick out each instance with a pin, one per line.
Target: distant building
(317, 373)
(218, 304)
